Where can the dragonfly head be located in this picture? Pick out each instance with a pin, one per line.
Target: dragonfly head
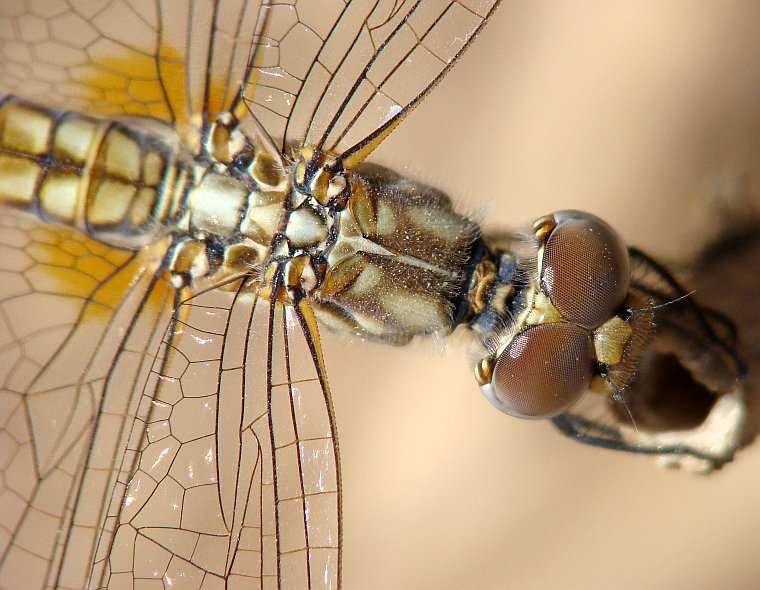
(567, 324)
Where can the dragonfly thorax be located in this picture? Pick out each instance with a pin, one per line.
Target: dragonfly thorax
(378, 255)
(388, 256)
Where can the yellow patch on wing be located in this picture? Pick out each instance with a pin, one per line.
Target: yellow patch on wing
(67, 264)
(134, 83)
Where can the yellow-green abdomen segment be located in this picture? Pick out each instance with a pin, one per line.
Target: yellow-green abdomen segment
(100, 177)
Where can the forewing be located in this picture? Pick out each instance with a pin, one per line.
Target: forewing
(333, 74)
(171, 60)
(78, 322)
(235, 468)
(340, 75)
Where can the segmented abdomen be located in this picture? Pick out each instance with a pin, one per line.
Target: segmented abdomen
(101, 177)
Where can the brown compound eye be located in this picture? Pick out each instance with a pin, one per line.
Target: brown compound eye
(543, 371)
(586, 269)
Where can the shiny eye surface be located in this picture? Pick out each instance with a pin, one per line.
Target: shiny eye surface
(543, 371)
(586, 269)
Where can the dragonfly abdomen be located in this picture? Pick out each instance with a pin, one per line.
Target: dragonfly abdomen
(104, 178)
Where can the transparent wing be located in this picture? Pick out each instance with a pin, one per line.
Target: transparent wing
(340, 75)
(233, 460)
(172, 60)
(330, 73)
(78, 322)
(218, 463)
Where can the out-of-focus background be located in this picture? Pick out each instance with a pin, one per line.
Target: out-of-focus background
(644, 113)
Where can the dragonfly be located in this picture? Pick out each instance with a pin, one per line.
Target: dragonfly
(186, 198)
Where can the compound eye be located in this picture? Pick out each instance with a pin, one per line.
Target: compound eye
(544, 370)
(586, 270)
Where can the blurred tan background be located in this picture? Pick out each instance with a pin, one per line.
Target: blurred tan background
(642, 112)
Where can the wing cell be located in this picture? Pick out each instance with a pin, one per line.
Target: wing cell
(332, 74)
(235, 471)
(174, 61)
(341, 76)
(72, 355)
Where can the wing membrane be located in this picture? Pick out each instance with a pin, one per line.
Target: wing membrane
(337, 75)
(341, 76)
(235, 471)
(308, 498)
(172, 60)
(77, 323)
